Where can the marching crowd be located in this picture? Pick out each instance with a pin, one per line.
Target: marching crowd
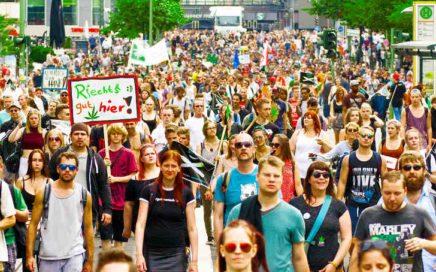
(300, 181)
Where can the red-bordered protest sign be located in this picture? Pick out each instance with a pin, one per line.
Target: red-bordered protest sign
(104, 100)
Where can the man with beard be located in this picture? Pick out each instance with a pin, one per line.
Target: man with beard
(237, 184)
(412, 167)
(406, 228)
(68, 208)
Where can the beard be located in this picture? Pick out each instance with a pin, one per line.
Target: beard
(415, 183)
(67, 180)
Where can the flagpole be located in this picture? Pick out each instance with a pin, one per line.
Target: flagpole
(219, 152)
(252, 123)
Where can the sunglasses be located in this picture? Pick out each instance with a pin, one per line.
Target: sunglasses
(415, 167)
(243, 144)
(198, 106)
(367, 245)
(352, 130)
(318, 174)
(14, 110)
(69, 166)
(55, 139)
(275, 145)
(369, 136)
(231, 247)
(64, 94)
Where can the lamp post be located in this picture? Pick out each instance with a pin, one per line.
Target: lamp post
(150, 27)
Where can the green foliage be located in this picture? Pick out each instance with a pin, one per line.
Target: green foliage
(377, 15)
(39, 53)
(132, 17)
(7, 42)
(68, 44)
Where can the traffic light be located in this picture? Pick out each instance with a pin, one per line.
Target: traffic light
(331, 38)
(18, 41)
(322, 40)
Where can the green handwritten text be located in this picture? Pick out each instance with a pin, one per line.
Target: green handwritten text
(85, 92)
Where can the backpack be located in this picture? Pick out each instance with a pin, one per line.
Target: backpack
(45, 205)
(20, 229)
(369, 200)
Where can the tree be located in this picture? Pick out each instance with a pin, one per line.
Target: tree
(132, 17)
(7, 41)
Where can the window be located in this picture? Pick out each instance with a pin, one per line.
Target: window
(36, 12)
(96, 12)
(70, 12)
(228, 20)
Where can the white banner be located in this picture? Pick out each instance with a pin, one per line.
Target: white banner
(244, 59)
(54, 78)
(140, 55)
(104, 100)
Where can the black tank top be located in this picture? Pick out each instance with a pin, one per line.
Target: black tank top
(337, 108)
(433, 122)
(363, 187)
(151, 123)
(28, 197)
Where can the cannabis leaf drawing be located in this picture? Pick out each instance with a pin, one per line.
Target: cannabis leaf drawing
(92, 115)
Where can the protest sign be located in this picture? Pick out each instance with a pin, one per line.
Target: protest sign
(140, 55)
(244, 59)
(54, 78)
(104, 100)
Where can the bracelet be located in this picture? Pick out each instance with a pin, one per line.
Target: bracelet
(334, 265)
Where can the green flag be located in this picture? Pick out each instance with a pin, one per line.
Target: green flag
(227, 112)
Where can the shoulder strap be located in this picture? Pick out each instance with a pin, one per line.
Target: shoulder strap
(319, 219)
(11, 189)
(383, 142)
(84, 197)
(226, 181)
(118, 157)
(45, 202)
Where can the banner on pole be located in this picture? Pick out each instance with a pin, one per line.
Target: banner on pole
(54, 78)
(143, 56)
(104, 100)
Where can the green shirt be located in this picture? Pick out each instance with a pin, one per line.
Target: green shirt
(19, 205)
(282, 227)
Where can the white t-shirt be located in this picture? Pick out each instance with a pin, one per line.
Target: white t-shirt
(158, 136)
(195, 126)
(7, 209)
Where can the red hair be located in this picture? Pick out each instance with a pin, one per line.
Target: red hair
(179, 185)
(141, 174)
(316, 122)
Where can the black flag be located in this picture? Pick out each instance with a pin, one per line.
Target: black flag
(194, 167)
(307, 78)
(57, 28)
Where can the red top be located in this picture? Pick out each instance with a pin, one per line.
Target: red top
(33, 140)
(288, 185)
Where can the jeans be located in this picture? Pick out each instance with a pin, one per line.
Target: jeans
(207, 212)
(397, 113)
(326, 110)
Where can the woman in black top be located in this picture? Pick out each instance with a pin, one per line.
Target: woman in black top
(149, 114)
(148, 172)
(166, 207)
(324, 252)
(35, 179)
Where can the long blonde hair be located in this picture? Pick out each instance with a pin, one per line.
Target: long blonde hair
(33, 112)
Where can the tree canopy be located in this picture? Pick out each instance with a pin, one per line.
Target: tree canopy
(131, 17)
(7, 41)
(376, 15)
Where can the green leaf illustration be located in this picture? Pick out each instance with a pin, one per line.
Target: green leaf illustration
(92, 115)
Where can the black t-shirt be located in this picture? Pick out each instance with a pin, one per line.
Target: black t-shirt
(97, 138)
(270, 130)
(326, 240)
(165, 221)
(397, 90)
(395, 228)
(133, 192)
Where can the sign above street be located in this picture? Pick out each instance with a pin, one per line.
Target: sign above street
(340, 28)
(353, 32)
(260, 16)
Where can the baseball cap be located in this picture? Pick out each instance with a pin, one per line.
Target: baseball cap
(354, 83)
(15, 105)
(396, 76)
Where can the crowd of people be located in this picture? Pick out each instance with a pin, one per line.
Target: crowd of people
(301, 180)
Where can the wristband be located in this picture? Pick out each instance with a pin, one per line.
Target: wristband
(334, 265)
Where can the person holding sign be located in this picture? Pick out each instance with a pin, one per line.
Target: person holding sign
(123, 168)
